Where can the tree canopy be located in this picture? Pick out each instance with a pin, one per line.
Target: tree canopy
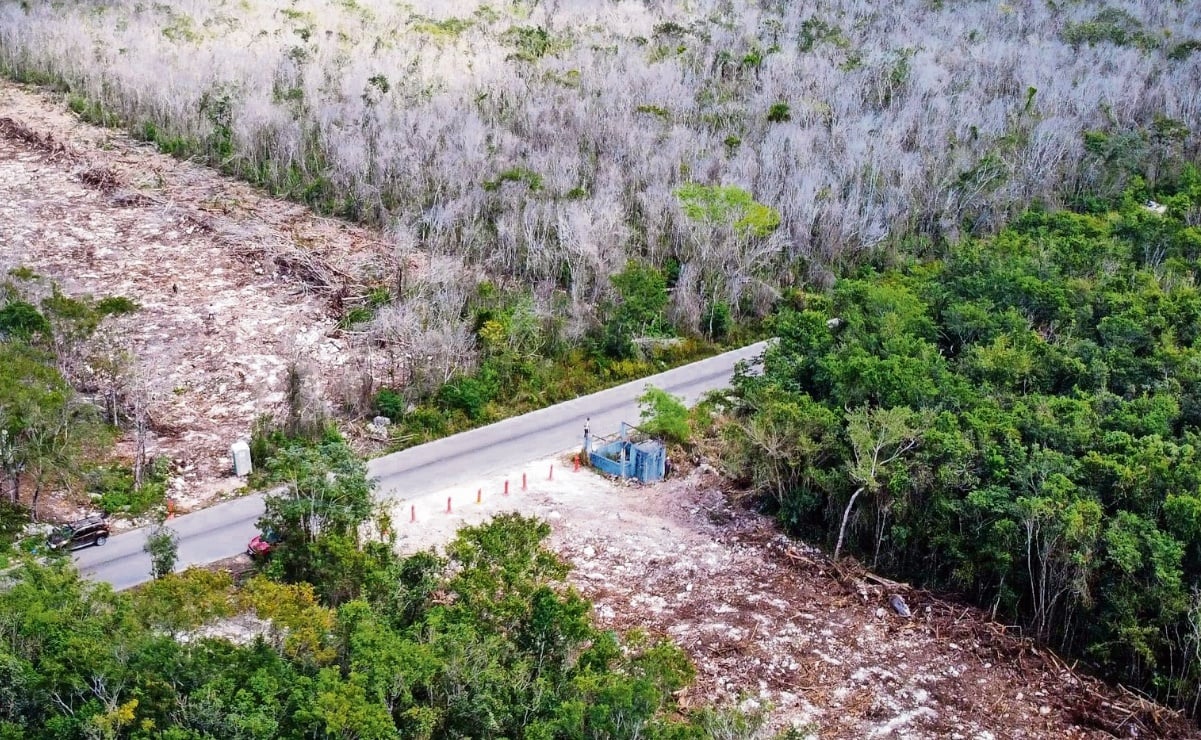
(1020, 421)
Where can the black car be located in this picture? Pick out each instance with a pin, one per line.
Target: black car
(92, 530)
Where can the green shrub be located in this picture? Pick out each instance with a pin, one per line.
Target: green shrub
(265, 440)
(13, 518)
(389, 403)
(184, 601)
(815, 31)
(379, 297)
(426, 422)
(532, 43)
(642, 291)
(664, 415)
(1184, 50)
(23, 273)
(469, 394)
(716, 320)
(1110, 25)
(655, 110)
(450, 28)
(162, 545)
(22, 321)
(531, 179)
(114, 484)
(779, 113)
(116, 305)
(727, 205)
(354, 316)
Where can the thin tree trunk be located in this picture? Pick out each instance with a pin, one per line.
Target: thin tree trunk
(846, 514)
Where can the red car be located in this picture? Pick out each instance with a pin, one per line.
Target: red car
(262, 543)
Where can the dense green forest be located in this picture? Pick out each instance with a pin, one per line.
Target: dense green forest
(1016, 418)
(340, 638)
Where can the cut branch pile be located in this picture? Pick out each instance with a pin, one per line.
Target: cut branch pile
(46, 143)
(1087, 700)
(101, 178)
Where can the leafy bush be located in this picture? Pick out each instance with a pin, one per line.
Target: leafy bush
(22, 321)
(184, 601)
(1184, 50)
(716, 320)
(627, 369)
(162, 545)
(779, 113)
(1110, 25)
(815, 31)
(664, 415)
(639, 310)
(655, 110)
(469, 394)
(13, 519)
(23, 273)
(532, 43)
(116, 306)
(532, 179)
(426, 422)
(356, 315)
(113, 486)
(448, 27)
(391, 404)
(727, 205)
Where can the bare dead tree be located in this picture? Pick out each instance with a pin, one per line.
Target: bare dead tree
(139, 401)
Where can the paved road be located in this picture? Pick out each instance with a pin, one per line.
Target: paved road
(223, 530)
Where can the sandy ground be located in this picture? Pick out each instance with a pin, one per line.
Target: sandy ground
(770, 623)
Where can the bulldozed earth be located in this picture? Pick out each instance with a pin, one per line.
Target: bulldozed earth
(773, 626)
(235, 285)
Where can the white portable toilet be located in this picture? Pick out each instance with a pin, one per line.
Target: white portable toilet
(240, 451)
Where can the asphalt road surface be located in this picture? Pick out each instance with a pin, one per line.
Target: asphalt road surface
(223, 530)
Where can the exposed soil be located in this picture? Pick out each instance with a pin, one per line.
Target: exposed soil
(233, 284)
(771, 623)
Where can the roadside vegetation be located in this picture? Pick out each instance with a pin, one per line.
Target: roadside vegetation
(339, 637)
(1015, 418)
(66, 389)
(522, 159)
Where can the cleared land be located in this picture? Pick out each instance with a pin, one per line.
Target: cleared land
(770, 622)
(229, 281)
